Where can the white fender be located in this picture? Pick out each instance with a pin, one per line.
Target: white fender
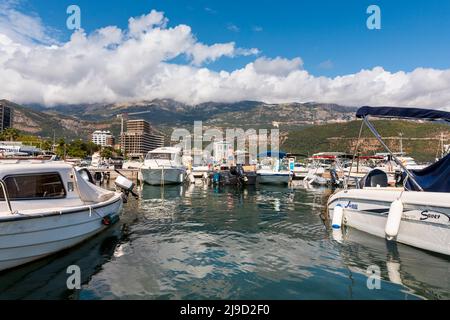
(338, 214)
(337, 235)
(393, 269)
(393, 220)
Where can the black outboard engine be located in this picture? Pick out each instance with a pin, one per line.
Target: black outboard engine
(373, 179)
(239, 170)
(399, 177)
(334, 177)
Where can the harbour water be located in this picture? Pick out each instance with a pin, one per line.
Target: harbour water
(198, 242)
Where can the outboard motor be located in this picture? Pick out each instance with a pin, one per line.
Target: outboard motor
(126, 186)
(399, 177)
(240, 174)
(334, 177)
(216, 177)
(373, 179)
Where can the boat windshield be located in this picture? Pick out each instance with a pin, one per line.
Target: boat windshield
(160, 156)
(34, 186)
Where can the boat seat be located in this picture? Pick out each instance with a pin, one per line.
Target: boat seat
(374, 178)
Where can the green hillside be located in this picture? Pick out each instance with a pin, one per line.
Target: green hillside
(45, 123)
(343, 137)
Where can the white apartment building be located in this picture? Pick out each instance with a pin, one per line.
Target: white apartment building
(103, 138)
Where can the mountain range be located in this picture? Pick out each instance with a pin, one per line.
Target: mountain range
(78, 121)
(335, 130)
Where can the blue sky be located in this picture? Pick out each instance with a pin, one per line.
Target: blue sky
(330, 36)
(226, 51)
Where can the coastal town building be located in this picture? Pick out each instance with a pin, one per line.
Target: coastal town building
(6, 117)
(103, 138)
(139, 138)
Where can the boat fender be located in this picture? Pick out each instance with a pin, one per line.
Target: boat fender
(337, 235)
(393, 220)
(338, 214)
(110, 220)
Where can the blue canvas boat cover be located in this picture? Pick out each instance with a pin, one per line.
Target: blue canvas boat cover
(403, 113)
(435, 178)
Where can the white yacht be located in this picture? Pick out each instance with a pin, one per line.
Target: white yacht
(46, 207)
(134, 162)
(418, 214)
(163, 166)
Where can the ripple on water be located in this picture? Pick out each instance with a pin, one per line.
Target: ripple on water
(258, 243)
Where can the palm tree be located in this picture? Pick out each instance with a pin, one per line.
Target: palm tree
(9, 134)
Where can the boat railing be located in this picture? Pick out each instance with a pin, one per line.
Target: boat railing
(6, 196)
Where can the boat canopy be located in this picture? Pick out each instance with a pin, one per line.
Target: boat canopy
(273, 154)
(403, 113)
(434, 178)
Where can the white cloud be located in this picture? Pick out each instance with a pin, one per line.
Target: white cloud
(233, 27)
(278, 66)
(114, 65)
(21, 27)
(210, 10)
(326, 65)
(147, 22)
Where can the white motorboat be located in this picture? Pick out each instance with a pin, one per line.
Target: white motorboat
(46, 207)
(417, 214)
(134, 162)
(300, 171)
(272, 171)
(163, 166)
(273, 177)
(314, 176)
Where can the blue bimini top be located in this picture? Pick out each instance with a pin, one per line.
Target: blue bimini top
(434, 178)
(403, 113)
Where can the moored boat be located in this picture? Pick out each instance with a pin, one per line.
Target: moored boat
(46, 207)
(273, 171)
(163, 166)
(418, 214)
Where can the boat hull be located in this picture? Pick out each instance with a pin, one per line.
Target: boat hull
(425, 221)
(159, 176)
(27, 238)
(264, 178)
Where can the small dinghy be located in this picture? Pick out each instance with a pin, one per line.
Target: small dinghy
(46, 207)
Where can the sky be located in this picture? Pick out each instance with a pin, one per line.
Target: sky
(197, 51)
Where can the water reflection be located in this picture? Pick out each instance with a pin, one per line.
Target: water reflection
(194, 242)
(423, 273)
(46, 278)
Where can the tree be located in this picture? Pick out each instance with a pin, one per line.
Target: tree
(106, 152)
(91, 148)
(47, 145)
(9, 134)
(61, 148)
